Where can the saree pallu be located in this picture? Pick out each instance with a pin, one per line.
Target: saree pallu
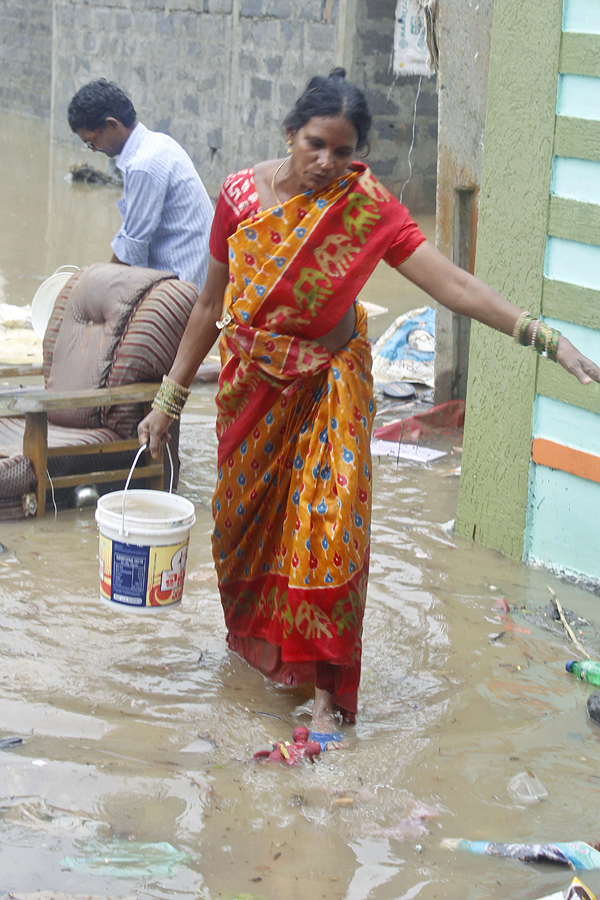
(292, 505)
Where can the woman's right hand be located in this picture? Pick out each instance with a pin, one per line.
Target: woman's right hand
(154, 431)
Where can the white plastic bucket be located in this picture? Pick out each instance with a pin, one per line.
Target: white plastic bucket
(144, 539)
(45, 298)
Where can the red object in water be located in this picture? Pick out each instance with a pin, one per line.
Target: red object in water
(291, 753)
(509, 626)
(501, 603)
(448, 416)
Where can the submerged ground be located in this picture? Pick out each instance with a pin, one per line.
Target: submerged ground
(135, 776)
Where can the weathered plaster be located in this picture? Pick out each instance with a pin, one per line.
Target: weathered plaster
(510, 252)
(464, 38)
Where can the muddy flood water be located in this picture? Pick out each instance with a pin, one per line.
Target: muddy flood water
(135, 775)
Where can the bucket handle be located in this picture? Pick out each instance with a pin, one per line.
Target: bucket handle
(133, 465)
(65, 269)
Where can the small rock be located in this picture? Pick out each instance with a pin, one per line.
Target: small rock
(593, 706)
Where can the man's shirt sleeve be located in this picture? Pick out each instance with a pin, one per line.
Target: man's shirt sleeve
(141, 209)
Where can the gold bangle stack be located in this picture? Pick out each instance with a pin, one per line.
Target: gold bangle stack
(171, 398)
(547, 341)
(520, 329)
(544, 339)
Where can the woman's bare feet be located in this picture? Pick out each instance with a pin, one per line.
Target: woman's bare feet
(325, 718)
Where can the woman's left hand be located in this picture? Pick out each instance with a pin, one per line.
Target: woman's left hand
(575, 362)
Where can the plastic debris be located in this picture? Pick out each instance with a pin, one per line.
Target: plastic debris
(406, 350)
(399, 390)
(576, 854)
(527, 788)
(59, 895)
(291, 752)
(324, 739)
(409, 827)
(577, 891)
(588, 670)
(127, 859)
(10, 742)
(443, 418)
(398, 451)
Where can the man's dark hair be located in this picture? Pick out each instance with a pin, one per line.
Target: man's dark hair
(332, 96)
(94, 102)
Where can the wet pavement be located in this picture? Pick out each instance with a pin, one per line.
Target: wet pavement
(135, 777)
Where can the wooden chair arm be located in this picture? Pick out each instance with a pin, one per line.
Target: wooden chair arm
(19, 371)
(19, 404)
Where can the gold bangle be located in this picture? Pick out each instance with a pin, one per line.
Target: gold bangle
(553, 344)
(534, 333)
(520, 327)
(167, 412)
(540, 338)
(169, 400)
(176, 387)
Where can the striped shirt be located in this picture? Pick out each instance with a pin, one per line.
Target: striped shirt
(165, 209)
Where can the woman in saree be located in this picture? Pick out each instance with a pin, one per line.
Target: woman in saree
(293, 242)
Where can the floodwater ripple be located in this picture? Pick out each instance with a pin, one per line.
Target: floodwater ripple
(139, 730)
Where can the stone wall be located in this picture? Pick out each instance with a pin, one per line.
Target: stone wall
(392, 102)
(25, 56)
(220, 75)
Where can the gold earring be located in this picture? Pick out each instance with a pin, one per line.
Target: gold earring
(289, 149)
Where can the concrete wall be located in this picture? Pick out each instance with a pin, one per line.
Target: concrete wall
(530, 483)
(464, 33)
(25, 56)
(511, 240)
(220, 75)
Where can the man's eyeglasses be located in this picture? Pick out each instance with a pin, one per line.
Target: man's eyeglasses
(90, 144)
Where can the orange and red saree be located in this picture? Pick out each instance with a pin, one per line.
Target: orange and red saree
(292, 505)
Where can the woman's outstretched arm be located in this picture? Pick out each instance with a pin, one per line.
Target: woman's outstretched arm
(462, 293)
(199, 336)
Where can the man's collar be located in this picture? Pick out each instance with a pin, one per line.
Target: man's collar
(130, 146)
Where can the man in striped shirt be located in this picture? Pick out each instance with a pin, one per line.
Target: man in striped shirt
(165, 209)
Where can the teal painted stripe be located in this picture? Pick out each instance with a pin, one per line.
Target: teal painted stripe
(573, 262)
(578, 96)
(576, 179)
(562, 522)
(582, 16)
(568, 425)
(587, 340)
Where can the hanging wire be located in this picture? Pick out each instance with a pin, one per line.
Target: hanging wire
(412, 143)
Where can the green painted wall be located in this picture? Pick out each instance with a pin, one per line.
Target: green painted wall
(514, 207)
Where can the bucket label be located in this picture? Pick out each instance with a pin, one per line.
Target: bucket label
(142, 576)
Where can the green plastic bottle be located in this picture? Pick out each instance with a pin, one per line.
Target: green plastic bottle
(588, 670)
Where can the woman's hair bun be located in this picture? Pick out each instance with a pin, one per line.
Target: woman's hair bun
(338, 72)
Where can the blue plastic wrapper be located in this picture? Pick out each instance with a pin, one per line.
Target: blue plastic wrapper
(576, 854)
(127, 859)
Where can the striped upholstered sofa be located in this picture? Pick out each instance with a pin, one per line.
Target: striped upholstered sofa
(111, 326)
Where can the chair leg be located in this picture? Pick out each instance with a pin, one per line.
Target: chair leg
(35, 446)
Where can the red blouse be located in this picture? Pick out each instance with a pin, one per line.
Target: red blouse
(238, 200)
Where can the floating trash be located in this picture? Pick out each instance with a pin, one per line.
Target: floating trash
(128, 859)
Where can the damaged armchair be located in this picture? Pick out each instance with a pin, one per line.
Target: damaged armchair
(112, 335)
